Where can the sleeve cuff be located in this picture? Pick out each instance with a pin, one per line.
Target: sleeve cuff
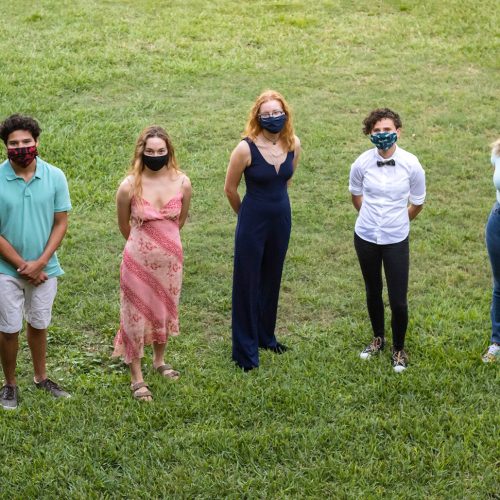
(417, 200)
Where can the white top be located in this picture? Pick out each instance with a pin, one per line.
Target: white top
(495, 161)
(386, 191)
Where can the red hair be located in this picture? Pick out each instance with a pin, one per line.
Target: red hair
(253, 128)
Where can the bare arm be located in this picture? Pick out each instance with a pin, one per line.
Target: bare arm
(357, 201)
(186, 200)
(123, 200)
(8, 252)
(32, 269)
(240, 159)
(414, 210)
(296, 156)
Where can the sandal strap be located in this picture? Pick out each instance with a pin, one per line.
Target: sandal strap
(142, 395)
(138, 385)
(163, 368)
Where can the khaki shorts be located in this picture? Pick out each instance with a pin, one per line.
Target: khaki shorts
(20, 298)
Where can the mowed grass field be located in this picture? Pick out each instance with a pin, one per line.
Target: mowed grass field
(317, 422)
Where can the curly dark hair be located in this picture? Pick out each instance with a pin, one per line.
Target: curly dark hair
(19, 122)
(379, 114)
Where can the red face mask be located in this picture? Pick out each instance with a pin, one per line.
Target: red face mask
(22, 156)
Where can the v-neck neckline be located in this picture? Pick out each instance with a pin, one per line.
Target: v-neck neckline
(270, 164)
(164, 205)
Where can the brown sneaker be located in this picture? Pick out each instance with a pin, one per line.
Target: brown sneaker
(52, 388)
(377, 345)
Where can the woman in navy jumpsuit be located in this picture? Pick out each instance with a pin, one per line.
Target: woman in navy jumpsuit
(267, 157)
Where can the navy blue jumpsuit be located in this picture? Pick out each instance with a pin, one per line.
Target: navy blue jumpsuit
(261, 242)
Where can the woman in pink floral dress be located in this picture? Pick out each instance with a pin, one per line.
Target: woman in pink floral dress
(152, 204)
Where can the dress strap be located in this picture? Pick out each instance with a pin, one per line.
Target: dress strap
(251, 145)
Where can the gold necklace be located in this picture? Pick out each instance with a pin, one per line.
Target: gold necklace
(271, 140)
(276, 157)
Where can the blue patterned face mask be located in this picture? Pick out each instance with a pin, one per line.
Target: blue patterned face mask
(384, 140)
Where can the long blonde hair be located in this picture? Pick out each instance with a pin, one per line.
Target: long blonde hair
(495, 147)
(253, 128)
(137, 166)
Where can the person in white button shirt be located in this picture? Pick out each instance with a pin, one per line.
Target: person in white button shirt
(387, 186)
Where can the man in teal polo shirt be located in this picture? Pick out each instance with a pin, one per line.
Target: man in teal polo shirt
(34, 205)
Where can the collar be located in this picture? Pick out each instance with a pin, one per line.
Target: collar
(11, 175)
(392, 157)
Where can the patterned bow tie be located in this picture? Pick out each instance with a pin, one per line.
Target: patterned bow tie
(391, 163)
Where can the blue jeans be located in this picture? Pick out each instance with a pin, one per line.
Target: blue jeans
(493, 246)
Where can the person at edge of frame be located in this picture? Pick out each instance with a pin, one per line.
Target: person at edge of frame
(267, 157)
(387, 186)
(34, 205)
(493, 246)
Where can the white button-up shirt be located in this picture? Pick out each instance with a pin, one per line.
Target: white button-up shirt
(386, 191)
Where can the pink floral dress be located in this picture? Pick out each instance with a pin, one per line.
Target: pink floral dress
(150, 278)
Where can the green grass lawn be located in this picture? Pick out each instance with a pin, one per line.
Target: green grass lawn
(316, 422)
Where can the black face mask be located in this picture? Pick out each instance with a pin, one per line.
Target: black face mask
(155, 162)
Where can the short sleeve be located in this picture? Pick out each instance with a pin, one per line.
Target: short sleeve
(356, 179)
(417, 185)
(62, 202)
(495, 160)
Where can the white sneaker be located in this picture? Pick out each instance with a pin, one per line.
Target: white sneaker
(492, 354)
(399, 361)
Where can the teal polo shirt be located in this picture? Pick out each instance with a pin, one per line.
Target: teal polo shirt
(27, 212)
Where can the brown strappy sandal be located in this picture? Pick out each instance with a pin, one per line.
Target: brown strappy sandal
(141, 396)
(168, 372)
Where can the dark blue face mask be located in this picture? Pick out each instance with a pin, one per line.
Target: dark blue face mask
(273, 124)
(384, 140)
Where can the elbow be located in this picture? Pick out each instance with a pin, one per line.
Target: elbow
(125, 230)
(229, 191)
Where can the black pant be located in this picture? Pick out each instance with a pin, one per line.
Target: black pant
(396, 260)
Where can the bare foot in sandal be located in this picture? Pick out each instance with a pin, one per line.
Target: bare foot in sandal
(167, 371)
(141, 392)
